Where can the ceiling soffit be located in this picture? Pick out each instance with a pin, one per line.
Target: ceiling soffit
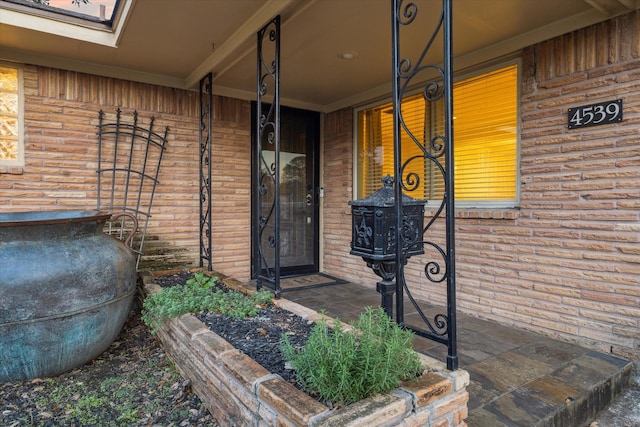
(175, 43)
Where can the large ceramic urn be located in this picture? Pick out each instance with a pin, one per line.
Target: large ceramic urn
(66, 289)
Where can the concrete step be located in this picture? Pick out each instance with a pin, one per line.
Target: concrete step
(624, 411)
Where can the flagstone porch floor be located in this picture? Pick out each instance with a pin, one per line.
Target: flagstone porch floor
(518, 378)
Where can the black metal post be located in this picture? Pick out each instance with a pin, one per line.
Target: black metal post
(452, 356)
(268, 173)
(386, 289)
(397, 156)
(408, 73)
(206, 120)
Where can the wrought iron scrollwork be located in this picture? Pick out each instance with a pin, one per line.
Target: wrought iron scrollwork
(206, 120)
(435, 83)
(268, 153)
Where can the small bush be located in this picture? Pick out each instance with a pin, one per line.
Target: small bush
(197, 295)
(344, 367)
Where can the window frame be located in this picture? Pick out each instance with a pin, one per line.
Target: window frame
(63, 23)
(463, 204)
(8, 165)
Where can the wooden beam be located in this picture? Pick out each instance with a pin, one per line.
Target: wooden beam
(239, 38)
(630, 4)
(613, 7)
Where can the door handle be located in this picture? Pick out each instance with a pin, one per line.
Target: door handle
(309, 199)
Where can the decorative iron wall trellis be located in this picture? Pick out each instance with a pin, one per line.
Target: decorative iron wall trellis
(129, 158)
(436, 150)
(267, 162)
(206, 120)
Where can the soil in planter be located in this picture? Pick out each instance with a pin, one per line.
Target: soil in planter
(133, 383)
(259, 337)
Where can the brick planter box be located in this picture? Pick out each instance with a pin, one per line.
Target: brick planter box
(240, 392)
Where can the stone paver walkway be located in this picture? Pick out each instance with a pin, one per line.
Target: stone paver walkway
(518, 378)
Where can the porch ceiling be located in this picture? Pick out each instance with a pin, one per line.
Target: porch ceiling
(175, 43)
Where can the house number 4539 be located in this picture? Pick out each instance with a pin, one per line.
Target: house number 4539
(601, 113)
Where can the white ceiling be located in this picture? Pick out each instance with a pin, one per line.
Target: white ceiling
(176, 42)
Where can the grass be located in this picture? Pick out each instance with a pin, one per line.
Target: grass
(132, 384)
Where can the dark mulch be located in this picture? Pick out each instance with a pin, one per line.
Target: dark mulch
(259, 337)
(131, 384)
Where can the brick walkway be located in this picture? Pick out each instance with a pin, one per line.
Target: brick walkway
(518, 378)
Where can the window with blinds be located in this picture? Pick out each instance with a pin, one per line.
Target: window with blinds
(485, 141)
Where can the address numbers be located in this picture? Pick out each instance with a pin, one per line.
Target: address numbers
(602, 113)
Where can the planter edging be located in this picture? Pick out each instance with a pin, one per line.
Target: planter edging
(239, 391)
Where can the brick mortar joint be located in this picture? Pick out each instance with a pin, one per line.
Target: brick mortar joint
(410, 397)
(255, 387)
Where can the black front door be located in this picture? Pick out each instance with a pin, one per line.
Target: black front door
(299, 190)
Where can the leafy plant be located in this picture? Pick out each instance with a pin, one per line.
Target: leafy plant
(202, 280)
(344, 367)
(129, 416)
(197, 295)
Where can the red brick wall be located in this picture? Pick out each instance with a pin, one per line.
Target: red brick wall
(61, 114)
(567, 263)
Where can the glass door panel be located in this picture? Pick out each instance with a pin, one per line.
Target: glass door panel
(299, 190)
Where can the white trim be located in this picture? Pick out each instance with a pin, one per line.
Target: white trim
(66, 26)
(90, 68)
(121, 18)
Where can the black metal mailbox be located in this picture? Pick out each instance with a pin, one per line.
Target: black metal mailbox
(373, 234)
(373, 222)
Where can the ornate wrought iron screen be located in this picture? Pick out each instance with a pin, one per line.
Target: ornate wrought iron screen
(129, 158)
(206, 120)
(432, 151)
(268, 157)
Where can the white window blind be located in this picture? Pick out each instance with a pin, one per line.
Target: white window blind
(485, 136)
(485, 140)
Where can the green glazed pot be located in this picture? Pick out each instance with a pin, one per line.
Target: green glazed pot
(66, 289)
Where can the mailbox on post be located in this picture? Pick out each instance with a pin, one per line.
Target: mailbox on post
(374, 234)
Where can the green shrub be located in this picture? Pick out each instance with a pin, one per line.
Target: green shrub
(344, 367)
(195, 296)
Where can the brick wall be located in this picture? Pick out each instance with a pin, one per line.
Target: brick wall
(581, 188)
(337, 170)
(61, 114)
(567, 263)
(232, 187)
